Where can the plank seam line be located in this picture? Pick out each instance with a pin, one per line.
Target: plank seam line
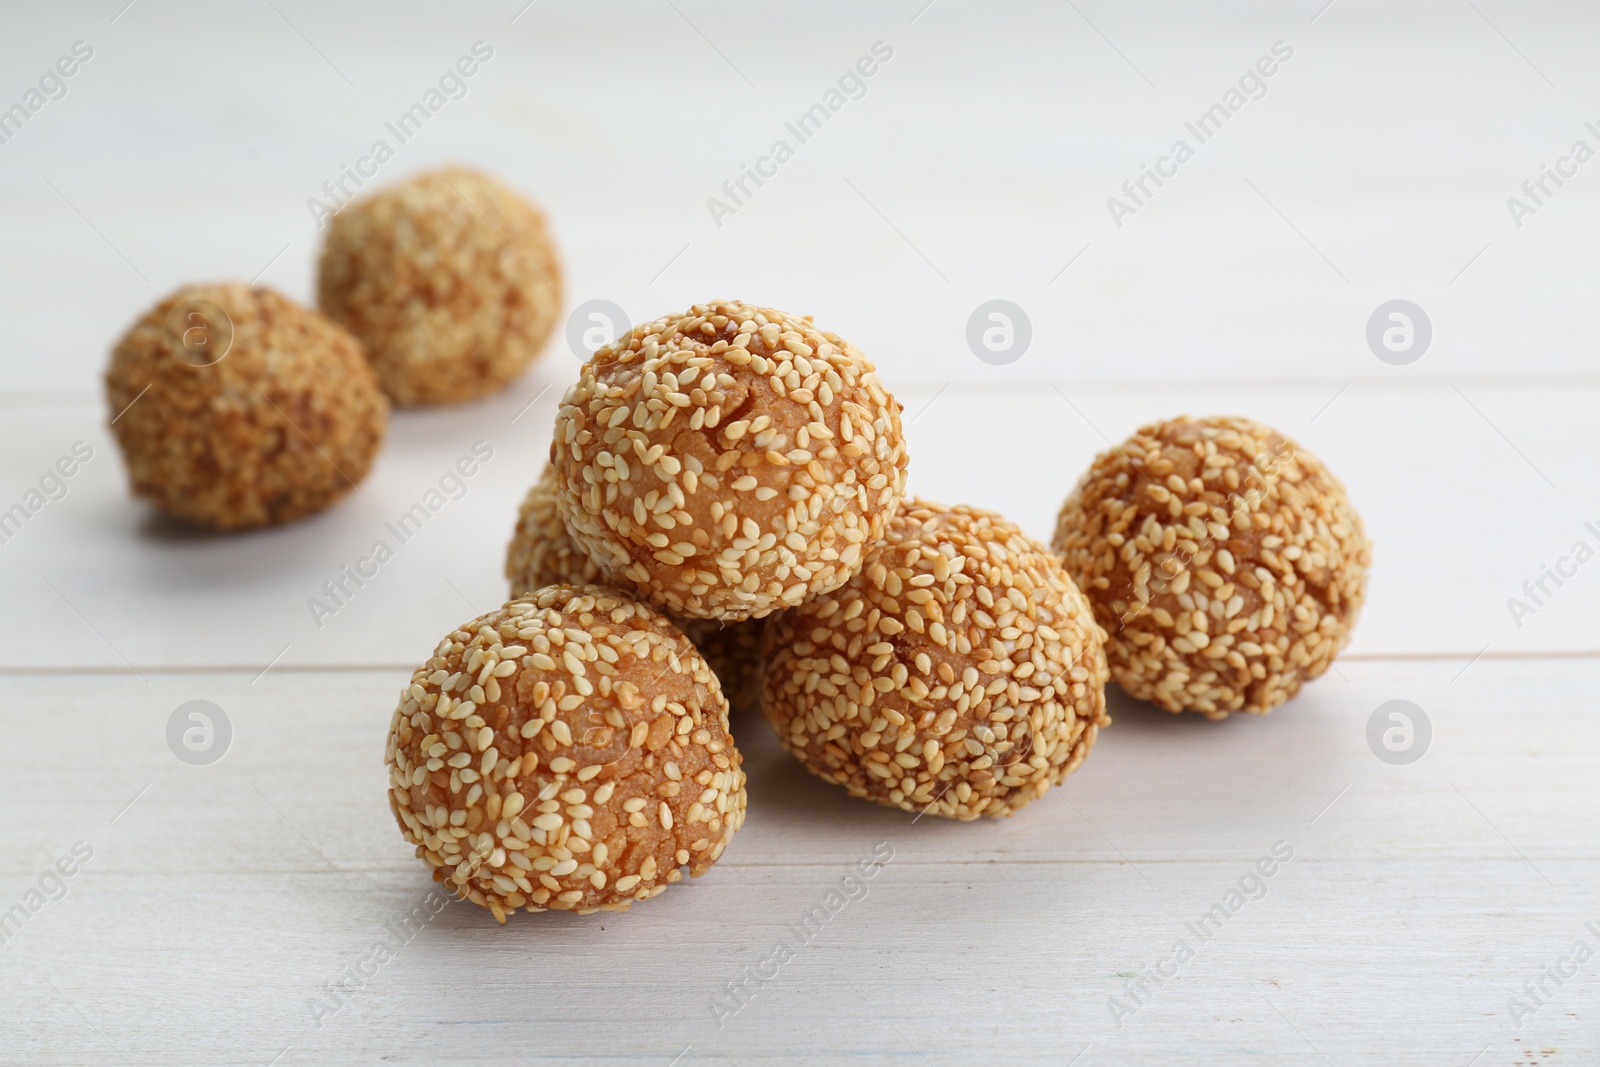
(12, 671)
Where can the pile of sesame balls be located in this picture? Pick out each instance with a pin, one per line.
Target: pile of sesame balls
(723, 525)
(236, 407)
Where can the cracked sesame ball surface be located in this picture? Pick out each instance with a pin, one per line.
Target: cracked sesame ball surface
(236, 407)
(960, 673)
(568, 750)
(1225, 562)
(543, 553)
(449, 278)
(728, 462)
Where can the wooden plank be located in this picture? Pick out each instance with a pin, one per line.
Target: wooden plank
(220, 902)
(1417, 901)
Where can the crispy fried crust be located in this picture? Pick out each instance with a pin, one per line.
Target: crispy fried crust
(568, 751)
(961, 673)
(728, 462)
(1225, 562)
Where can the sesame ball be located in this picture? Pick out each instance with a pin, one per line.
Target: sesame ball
(236, 407)
(568, 750)
(449, 278)
(1225, 562)
(543, 553)
(728, 462)
(960, 673)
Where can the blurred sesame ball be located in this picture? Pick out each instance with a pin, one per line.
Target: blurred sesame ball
(449, 278)
(236, 407)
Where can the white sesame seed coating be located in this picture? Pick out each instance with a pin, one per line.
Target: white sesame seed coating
(283, 424)
(449, 278)
(596, 763)
(728, 462)
(960, 673)
(542, 552)
(1225, 562)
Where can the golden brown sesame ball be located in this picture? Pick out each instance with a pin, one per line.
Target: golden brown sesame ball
(449, 278)
(728, 462)
(568, 750)
(1224, 560)
(543, 553)
(236, 407)
(961, 673)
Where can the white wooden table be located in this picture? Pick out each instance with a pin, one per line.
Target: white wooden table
(253, 910)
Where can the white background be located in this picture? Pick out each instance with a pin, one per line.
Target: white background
(1376, 166)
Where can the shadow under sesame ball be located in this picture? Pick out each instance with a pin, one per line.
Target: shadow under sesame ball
(728, 462)
(451, 281)
(236, 407)
(960, 674)
(542, 552)
(569, 751)
(1226, 563)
